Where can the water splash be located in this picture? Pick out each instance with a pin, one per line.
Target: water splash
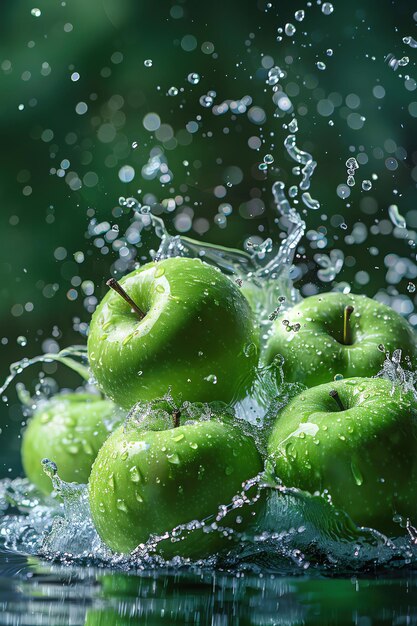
(399, 372)
(73, 357)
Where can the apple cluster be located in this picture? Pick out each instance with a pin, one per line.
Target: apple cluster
(176, 344)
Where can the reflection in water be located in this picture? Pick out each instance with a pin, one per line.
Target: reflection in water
(35, 593)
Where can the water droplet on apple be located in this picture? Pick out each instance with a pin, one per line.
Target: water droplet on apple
(357, 474)
(134, 474)
(87, 448)
(121, 505)
(160, 271)
(127, 339)
(178, 437)
(193, 445)
(173, 458)
(211, 378)
(250, 350)
(138, 497)
(228, 471)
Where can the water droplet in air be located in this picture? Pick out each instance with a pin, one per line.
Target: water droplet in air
(268, 158)
(366, 185)
(350, 181)
(263, 166)
(206, 101)
(293, 126)
(338, 377)
(49, 467)
(352, 163)
(299, 15)
(22, 341)
(172, 91)
(403, 62)
(411, 287)
(289, 29)
(310, 202)
(193, 78)
(36, 12)
(395, 216)
(410, 42)
(274, 74)
(320, 65)
(148, 63)
(329, 52)
(134, 145)
(327, 8)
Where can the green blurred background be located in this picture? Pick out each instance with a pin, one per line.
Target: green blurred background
(100, 99)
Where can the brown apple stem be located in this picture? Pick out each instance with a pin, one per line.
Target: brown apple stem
(113, 284)
(347, 330)
(333, 394)
(176, 414)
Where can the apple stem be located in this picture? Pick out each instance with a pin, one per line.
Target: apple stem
(116, 286)
(333, 394)
(347, 331)
(176, 414)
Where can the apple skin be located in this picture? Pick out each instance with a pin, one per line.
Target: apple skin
(365, 456)
(147, 482)
(198, 329)
(315, 354)
(69, 429)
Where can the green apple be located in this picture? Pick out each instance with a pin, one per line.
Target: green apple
(179, 324)
(337, 334)
(68, 429)
(154, 475)
(355, 439)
